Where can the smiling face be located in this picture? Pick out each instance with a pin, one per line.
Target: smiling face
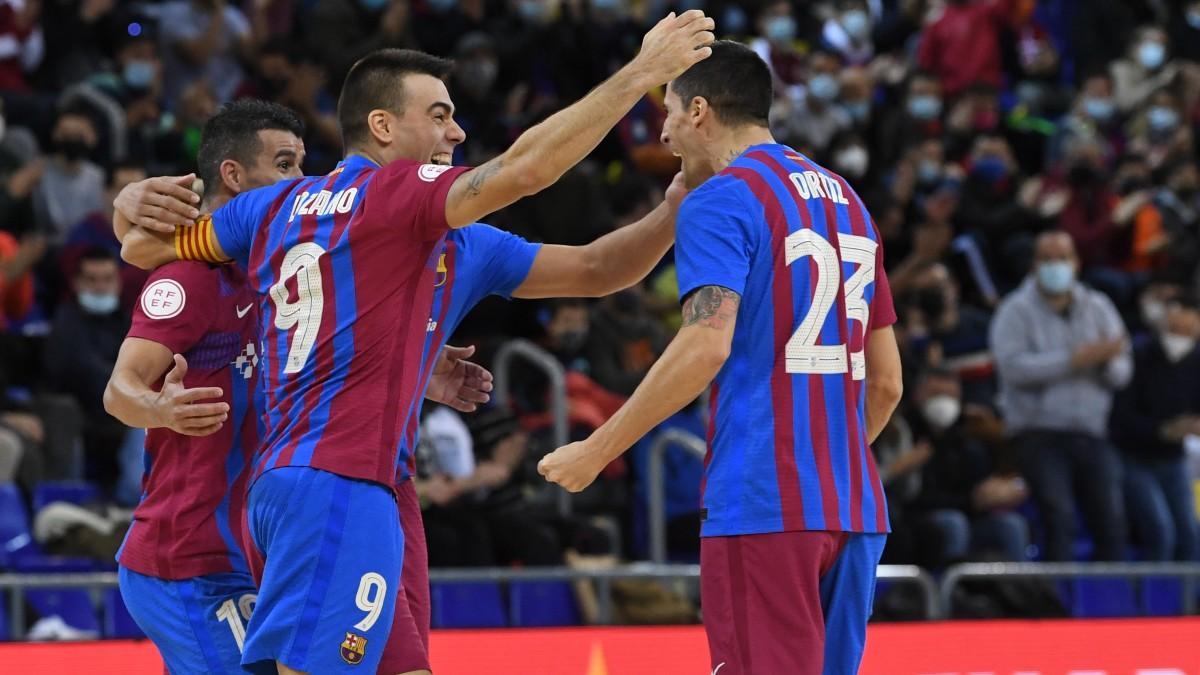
(682, 136)
(425, 131)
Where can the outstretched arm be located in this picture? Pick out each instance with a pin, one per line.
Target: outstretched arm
(612, 263)
(688, 365)
(544, 153)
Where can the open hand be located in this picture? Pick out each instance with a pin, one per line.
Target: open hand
(458, 383)
(673, 45)
(180, 409)
(160, 203)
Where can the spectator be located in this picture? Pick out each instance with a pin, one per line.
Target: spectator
(21, 42)
(813, 120)
(917, 118)
(1061, 352)
(778, 29)
(1178, 205)
(856, 92)
(76, 33)
(1144, 71)
(1150, 420)
(989, 211)
(963, 46)
(71, 186)
(205, 40)
(80, 354)
(1093, 114)
(848, 32)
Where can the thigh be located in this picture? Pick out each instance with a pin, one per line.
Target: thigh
(198, 625)
(761, 600)
(333, 552)
(847, 594)
(407, 646)
(1046, 466)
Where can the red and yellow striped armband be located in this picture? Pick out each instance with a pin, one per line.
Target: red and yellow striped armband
(198, 242)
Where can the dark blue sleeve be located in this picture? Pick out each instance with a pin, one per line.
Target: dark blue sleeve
(712, 240)
(506, 260)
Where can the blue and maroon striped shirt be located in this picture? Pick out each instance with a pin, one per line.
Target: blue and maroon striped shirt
(787, 445)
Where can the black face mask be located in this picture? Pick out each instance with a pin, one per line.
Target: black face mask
(73, 149)
(1082, 175)
(931, 302)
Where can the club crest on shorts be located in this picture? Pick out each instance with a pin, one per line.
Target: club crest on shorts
(354, 647)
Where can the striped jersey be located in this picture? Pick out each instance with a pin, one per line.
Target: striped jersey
(787, 446)
(475, 262)
(188, 522)
(343, 267)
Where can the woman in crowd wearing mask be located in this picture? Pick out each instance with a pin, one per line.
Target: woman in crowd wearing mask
(1152, 422)
(778, 30)
(1144, 71)
(1159, 131)
(71, 186)
(1092, 114)
(848, 32)
(812, 119)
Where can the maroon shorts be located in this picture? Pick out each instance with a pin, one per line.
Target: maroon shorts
(770, 601)
(407, 648)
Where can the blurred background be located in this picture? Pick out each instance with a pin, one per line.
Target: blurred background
(967, 126)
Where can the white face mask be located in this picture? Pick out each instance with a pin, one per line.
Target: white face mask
(1177, 346)
(852, 161)
(1153, 312)
(941, 411)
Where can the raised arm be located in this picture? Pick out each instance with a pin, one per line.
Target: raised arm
(544, 153)
(612, 263)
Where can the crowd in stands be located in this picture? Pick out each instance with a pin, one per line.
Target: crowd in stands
(1031, 166)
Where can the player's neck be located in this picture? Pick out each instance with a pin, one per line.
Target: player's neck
(733, 142)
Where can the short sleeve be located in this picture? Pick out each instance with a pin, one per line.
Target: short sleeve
(176, 306)
(883, 309)
(712, 243)
(509, 259)
(412, 197)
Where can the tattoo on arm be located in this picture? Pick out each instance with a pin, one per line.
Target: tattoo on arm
(711, 306)
(480, 175)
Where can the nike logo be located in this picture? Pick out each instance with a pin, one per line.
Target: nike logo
(719, 666)
(241, 311)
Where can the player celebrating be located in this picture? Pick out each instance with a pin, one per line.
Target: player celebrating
(331, 256)
(786, 305)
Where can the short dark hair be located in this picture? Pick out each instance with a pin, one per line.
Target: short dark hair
(376, 82)
(734, 80)
(233, 134)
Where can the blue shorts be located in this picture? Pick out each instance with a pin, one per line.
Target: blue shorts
(198, 624)
(332, 550)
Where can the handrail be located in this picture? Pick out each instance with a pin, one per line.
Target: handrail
(549, 365)
(955, 574)
(657, 491)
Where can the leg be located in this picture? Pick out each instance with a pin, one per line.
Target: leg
(1172, 476)
(1097, 467)
(953, 532)
(333, 555)
(847, 595)
(762, 603)
(1004, 533)
(1045, 466)
(1149, 517)
(407, 648)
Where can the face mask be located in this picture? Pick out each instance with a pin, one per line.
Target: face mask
(852, 161)
(990, 169)
(1056, 277)
(138, 74)
(532, 11)
(925, 107)
(1099, 109)
(1177, 346)
(373, 5)
(479, 75)
(1153, 313)
(928, 172)
(1151, 55)
(823, 87)
(73, 149)
(941, 411)
(856, 23)
(442, 6)
(98, 303)
(1162, 119)
(858, 111)
(781, 29)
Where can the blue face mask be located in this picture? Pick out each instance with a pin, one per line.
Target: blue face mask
(1162, 119)
(98, 303)
(1151, 55)
(734, 21)
(925, 107)
(781, 29)
(858, 111)
(990, 168)
(373, 5)
(1056, 276)
(856, 23)
(1099, 109)
(928, 172)
(823, 87)
(138, 74)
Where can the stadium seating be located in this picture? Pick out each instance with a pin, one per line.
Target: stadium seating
(542, 603)
(75, 492)
(473, 604)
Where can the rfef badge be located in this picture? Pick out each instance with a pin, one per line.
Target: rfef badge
(354, 647)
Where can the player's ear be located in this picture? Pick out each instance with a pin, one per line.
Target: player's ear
(699, 110)
(381, 124)
(233, 176)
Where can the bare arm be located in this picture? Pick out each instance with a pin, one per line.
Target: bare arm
(688, 365)
(544, 153)
(885, 382)
(130, 397)
(148, 250)
(612, 263)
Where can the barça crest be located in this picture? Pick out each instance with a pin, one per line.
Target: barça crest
(354, 647)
